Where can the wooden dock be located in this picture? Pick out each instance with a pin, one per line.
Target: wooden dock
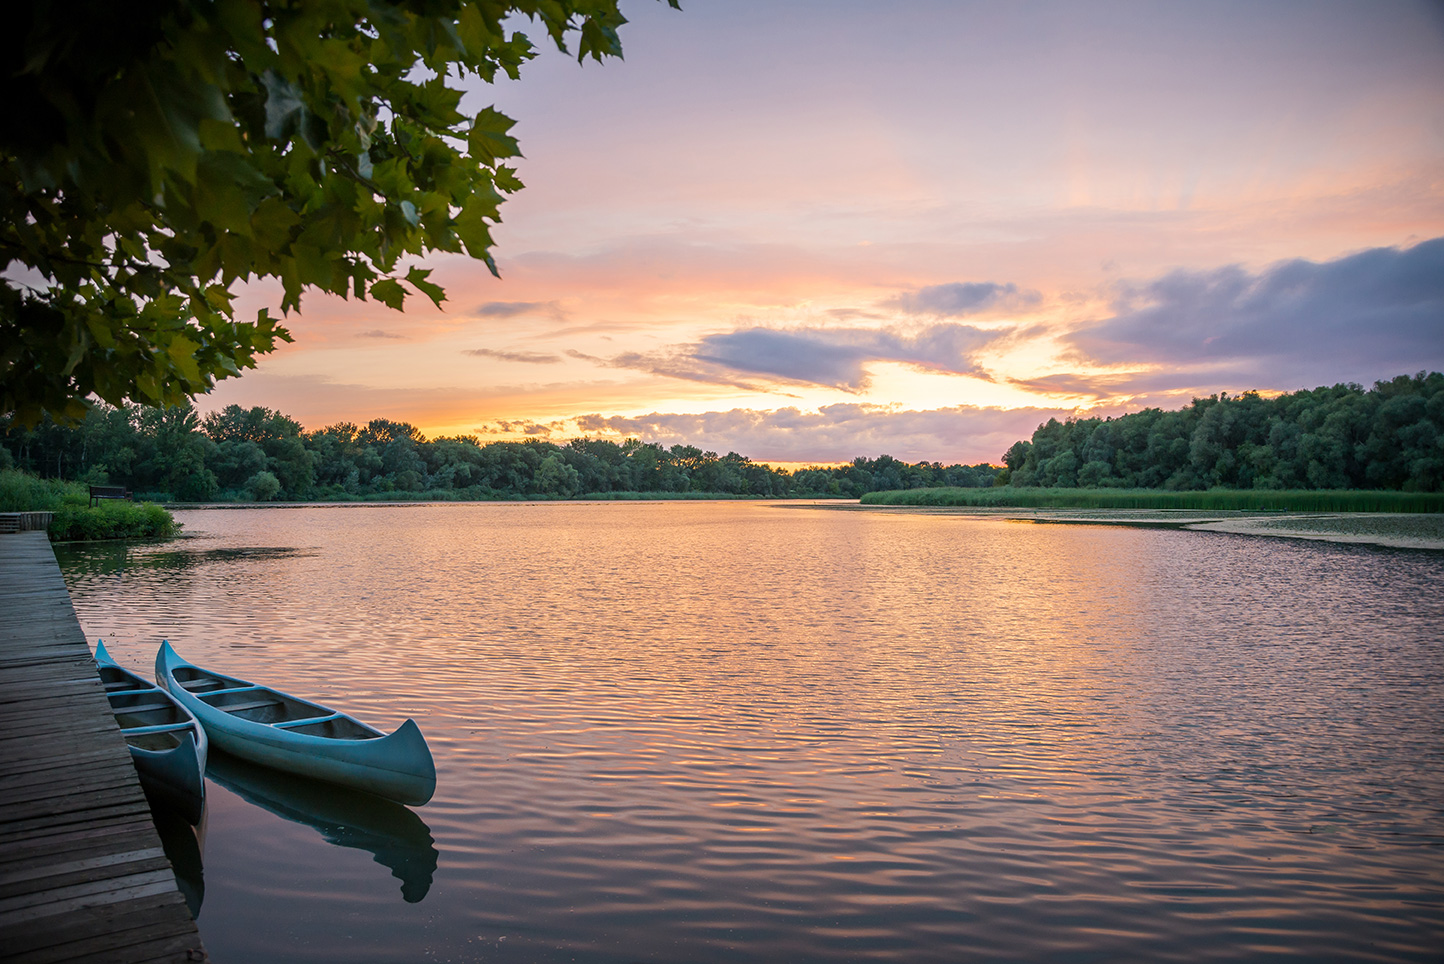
(82, 873)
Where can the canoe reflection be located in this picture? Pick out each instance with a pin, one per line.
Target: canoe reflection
(397, 838)
(182, 842)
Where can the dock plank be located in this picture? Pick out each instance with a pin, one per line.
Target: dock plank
(104, 938)
(82, 873)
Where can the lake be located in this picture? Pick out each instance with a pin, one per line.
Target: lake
(741, 731)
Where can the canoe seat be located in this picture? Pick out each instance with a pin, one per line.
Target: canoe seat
(230, 689)
(287, 724)
(123, 684)
(254, 704)
(144, 708)
(195, 685)
(158, 728)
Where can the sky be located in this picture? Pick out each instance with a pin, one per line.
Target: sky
(812, 230)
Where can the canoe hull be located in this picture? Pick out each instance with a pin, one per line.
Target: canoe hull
(172, 777)
(397, 766)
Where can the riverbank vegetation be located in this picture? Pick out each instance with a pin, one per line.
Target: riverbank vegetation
(260, 455)
(1339, 448)
(74, 518)
(1209, 500)
(1339, 437)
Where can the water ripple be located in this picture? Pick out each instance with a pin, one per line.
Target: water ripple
(739, 732)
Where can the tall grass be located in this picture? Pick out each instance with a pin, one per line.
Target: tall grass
(73, 516)
(21, 492)
(1327, 500)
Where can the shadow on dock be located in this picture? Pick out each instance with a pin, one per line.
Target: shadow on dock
(395, 836)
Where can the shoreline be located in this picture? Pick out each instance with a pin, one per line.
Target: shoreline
(1390, 530)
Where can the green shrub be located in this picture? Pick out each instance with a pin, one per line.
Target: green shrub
(111, 520)
(74, 518)
(263, 486)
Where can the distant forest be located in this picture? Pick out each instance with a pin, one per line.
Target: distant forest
(1344, 437)
(256, 454)
(1389, 437)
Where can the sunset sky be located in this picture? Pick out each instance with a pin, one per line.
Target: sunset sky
(808, 231)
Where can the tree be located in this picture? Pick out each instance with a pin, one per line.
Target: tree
(555, 477)
(154, 153)
(1390, 437)
(263, 486)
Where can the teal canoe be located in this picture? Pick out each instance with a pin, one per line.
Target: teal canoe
(275, 729)
(167, 743)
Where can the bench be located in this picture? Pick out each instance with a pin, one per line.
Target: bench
(98, 492)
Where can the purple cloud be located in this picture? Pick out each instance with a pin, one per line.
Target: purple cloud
(512, 309)
(963, 298)
(1366, 316)
(832, 357)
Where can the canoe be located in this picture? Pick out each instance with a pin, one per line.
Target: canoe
(167, 743)
(276, 729)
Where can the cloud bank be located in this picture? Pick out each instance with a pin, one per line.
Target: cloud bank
(837, 357)
(837, 433)
(1294, 324)
(829, 357)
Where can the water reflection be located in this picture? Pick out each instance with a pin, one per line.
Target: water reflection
(395, 836)
(724, 731)
(183, 842)
(111, 558)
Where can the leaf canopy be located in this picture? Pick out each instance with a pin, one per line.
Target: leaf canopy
(154, 153)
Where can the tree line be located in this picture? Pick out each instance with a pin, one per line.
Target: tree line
(1389, 437)
(257, 454)
(1339, 437)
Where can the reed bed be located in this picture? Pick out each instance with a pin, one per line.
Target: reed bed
(1257, 500)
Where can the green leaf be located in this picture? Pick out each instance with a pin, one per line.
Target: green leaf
(489, 140)
(229, 189)
(416, 277)
(474, 229)
(182, 352)
(506, 180)
(148, 386)
(389, 292)
(286, 108)
(100, 331)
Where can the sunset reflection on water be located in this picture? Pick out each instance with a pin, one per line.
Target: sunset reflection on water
(736, 731)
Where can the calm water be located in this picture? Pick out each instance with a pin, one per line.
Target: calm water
(722, 732)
